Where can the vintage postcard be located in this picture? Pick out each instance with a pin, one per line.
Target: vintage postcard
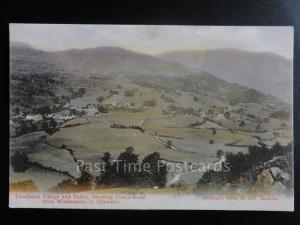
(151, 117)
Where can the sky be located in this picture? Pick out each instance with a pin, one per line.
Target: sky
(153, 39)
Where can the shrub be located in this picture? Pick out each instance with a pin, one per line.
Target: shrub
(19, 162)
(196, 99)
(129, 93)
(150, 103)
(100, 99)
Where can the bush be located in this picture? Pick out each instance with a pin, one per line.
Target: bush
(150, 103)
(243, 164)
(100, 99)
(102, 109)
(19, 162)
(196, 99)
(113, 92)
(120, 173)
(129, 93)
(280, 114)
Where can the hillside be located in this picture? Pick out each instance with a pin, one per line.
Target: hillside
(266, 72)
(94, 61)
(83, 104)
(141, 69)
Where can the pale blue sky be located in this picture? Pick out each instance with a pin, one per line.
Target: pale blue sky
(155, 39)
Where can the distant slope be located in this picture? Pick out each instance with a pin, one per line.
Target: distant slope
(262, 71)
(141, 69)
(100, 61)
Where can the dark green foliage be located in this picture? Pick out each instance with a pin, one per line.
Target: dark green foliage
(129, 93)
(227, 115)
(77, 112)
(19, 162)
(280, 115)
(102, 109)
(204, 84)
(100, 99)
(113, 92)
(242, 124)
(81, 92)
(77, 94)
(150, 103)
(128, 171)
(44, 110)
(169, 144)
(242, 165)
(214, 131)
(220, 153)
(156, 176)
(167, 98)
(195, 99)
(86, 178)
(26, 127)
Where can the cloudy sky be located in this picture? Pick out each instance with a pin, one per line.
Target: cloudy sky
(155, 39)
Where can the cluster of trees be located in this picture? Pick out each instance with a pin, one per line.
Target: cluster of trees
(244, 165)
(43, 110)
(122, 126)
(77, 94)
(129, 93)
(150, 103)
(193, 125)
(182, 110)
(100, 99)
(19, 162)
(281, 114)
(28, 126)
(167, 98)
(122, 173)
(195, 99)
(113, 92)
(102, 109)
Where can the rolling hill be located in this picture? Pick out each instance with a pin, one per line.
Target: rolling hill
(266, 72)
(137, 68)
(93, 61)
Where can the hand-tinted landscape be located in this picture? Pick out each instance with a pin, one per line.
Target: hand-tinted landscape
(99, 104)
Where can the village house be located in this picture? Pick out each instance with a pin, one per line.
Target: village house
(202, 114)
(91, 110)
(34, 117)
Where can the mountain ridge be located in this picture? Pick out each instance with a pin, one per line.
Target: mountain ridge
(253, 69)
(115, 62)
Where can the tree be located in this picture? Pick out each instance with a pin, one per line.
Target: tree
(52, 123)
(108, 174)
(227, 115)
(242, 123)
(124, 172)
(86, 177)
(150, 103)
(211, 111)
(156, 175)
(106, 158)
(129, 93)
(81, 92)
(19, 162)
(169, 144)
(214, 131)
(102, 109)
(17, 110)
(219, 153)
(44, 110)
